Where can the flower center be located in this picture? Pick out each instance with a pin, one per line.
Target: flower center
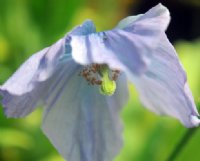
(102, 75)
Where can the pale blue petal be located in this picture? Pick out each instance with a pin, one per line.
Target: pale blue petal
(24, 74)
(149, 26)
(84, 29)
(127, 47)
(128, 21)
(18, 92)
(25, 89)
(81, 123)
(155, 20)
(28, 86)
(163, 88)
(117, 48)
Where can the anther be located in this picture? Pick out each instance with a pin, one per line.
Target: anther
(96, 74)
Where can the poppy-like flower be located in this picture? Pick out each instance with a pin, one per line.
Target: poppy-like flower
(81, 81)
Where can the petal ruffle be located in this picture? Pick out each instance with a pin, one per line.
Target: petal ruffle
(128, 48)
(163, 87)
(28, 86)
(117, 48)
(80, 122)
(19, 95)
(156, 19)
(86, 28)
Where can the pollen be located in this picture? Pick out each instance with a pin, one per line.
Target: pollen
(101, 75)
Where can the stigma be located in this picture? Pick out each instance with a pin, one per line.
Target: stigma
(102, 76)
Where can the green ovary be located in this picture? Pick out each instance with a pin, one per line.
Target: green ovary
(108, 86)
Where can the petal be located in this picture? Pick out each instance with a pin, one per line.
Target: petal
(18, 93)
(128, 21)
(28, 86)
(24, 74)
(86, 28)
(127, 48)
(163, 87)
(119, 49)
(81, 123)
(25, 89)
(155, 20)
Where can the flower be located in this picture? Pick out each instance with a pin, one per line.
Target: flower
(81, 82)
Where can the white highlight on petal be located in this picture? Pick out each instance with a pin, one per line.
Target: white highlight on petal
(127, 47)
(195, 120)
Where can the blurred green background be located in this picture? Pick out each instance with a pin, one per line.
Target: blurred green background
(27, 26)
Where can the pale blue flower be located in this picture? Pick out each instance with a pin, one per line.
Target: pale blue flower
(80, 120)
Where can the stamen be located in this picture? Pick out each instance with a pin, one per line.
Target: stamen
(96, 74)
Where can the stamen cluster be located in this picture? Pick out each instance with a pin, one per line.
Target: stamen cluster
(92, 74)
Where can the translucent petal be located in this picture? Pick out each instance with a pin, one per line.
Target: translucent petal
(163, 87)
(84, 29)
(28, 86)
(119, 49)
(25, 89)
(127, 48)
(19, 97)
(128, 21)
(24, 74)
(156, 19)
(81, 123)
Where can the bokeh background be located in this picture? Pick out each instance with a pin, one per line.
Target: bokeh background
(27, 26)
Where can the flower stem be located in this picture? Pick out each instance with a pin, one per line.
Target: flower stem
(180, 146)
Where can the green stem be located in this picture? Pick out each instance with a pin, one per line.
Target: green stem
(180, 146)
